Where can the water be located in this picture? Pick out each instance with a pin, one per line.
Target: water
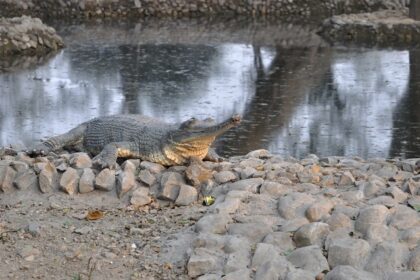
(296, 95)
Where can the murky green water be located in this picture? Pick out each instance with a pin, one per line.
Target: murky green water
(296, 95)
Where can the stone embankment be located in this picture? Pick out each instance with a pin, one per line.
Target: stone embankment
(141, 8)
(273, 218)
(382, 28)
(26, 35)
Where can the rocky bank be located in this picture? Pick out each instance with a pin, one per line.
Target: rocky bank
(179, 8)
(27, 36)
(273, 218)
(382, 28)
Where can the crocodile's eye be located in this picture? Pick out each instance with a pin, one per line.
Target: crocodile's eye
(209, 121)
(189, 123)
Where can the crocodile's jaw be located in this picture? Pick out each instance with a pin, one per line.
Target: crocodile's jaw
(181, 152)
(195, 142)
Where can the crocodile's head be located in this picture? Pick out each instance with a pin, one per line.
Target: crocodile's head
(194, 137)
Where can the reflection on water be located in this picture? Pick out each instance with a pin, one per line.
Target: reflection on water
(351, 113)
(295, 100)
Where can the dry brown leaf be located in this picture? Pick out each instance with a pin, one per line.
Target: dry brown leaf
(167, 266)
(94, 215)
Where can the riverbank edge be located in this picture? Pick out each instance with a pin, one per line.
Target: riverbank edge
(381, 29)
(27, 36)
(184, 8)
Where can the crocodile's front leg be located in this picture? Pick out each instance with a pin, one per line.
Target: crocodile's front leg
(107, 158)
(213, 156)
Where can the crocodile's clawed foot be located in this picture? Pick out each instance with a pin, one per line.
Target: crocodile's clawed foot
(39, 150)
(102, 162)
(215, 159)
(220, 159)
(213, 156)
(35, 152)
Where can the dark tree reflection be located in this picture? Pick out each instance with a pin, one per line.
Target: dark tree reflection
(162, 71)
(406, 133)
(280, 87)
(158, 71)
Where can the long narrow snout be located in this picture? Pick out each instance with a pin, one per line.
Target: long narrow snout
(207, 132)
(219, 129)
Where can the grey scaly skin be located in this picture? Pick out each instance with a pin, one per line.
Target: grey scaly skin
(137, 136)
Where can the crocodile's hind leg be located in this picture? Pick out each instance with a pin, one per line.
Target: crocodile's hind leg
(107, 158)
(69, 138)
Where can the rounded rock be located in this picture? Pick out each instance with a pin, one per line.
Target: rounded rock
(187, 195)
(140, 197)
(69, 181)
(319, 210)
(105, 180)
(372, 215)
(348, 251)
(311, 234)
(87, 181)
(224, 177)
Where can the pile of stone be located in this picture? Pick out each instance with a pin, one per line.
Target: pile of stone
(273, 218)
(383, 28)
(73, 173)
(330, 218)
(26, 35)
(178, 8)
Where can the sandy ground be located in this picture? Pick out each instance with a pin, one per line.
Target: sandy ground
(48, 237)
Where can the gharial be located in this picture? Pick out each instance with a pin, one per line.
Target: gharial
(145, 138)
